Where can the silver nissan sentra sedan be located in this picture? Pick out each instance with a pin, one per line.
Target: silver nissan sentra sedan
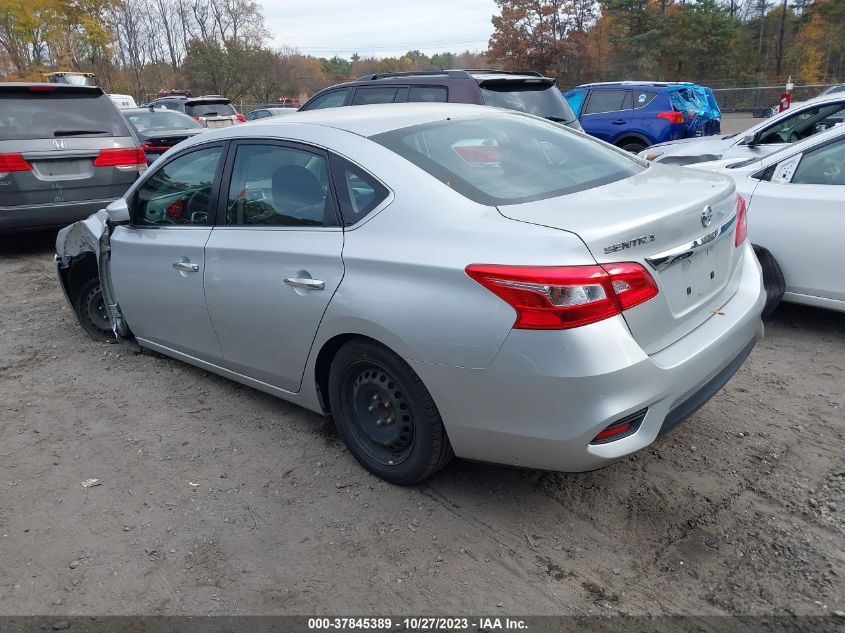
(442, 279)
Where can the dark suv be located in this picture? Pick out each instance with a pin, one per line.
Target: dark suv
(65, 152)
(212, 111)
(527, 91)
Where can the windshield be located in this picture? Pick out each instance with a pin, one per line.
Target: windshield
(210, 109)
(152, 121)
(497, 160)
(540, 99)
(28, 114)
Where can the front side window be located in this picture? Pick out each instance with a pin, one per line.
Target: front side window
(804, 124)
(179, 193)
(822, 166)
(333, 99)
(605, 101)
(363, 96)
(279, 186)
(358, 192)
(498, 160)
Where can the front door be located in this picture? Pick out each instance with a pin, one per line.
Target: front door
(274, 261)
(158, 262)
(607, 113)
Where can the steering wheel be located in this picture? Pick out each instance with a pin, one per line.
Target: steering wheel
(793, 137)
(197, 203)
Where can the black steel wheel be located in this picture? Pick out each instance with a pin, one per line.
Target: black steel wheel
(385, 415)
(91, 310)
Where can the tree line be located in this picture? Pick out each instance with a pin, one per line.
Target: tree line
(713, 41)
(223, 46)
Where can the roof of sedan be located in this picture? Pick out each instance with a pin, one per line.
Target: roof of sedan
(368, 120)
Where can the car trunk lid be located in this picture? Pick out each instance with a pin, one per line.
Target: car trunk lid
(677, 222)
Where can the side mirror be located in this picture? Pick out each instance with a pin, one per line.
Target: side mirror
(118, 212)
(751, 140)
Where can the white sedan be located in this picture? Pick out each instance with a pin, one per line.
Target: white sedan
(796, 217)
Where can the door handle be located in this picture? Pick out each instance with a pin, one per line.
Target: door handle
(305, 283)
(184, 265)
(619, 122)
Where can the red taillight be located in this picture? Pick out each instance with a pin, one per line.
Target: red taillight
(241, 118)
(121, 157)
(741, 220)
(147, 146)
(560, 298)
(13, 162)
(671, 116)
(38, 88)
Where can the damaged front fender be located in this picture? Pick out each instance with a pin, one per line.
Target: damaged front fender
(86, 245)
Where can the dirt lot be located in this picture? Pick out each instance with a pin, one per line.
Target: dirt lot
(217, 499)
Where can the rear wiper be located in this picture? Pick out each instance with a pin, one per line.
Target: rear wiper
(77, 132)
(558, 119)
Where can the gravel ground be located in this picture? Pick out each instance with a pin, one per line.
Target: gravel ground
(218, 499)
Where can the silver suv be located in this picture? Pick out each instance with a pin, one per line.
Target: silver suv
(65, 152)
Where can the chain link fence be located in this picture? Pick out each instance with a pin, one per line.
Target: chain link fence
(759, 101)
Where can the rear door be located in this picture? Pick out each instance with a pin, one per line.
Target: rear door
(274, 260)
(158, 262)
(800, 217)
(69, 143)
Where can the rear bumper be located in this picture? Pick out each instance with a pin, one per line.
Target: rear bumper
(43, 216)
(548, 394)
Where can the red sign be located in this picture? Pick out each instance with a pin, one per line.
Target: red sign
(785, 102)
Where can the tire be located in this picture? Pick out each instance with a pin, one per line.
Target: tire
(91, 311)
(385, 415)
(635, 147)
(773, 281)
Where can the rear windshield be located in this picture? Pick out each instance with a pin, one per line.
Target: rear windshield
(28, 114)
(146, 121)
(210, 109)
(499, 160)
(538, 99)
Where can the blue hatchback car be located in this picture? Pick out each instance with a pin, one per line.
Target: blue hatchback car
(633, 115)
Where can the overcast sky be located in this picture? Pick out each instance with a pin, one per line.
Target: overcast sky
(380, 28)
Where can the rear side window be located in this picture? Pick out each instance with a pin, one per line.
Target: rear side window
(210, 109)
(51, 114)
(437, 94)
(605, 101)
(333, 99)
(364, 96)
(498, 160)
(359, 193)
(642, 99)
(279, 186)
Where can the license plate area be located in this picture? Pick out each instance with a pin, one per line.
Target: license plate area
(696, 279)
(63, 169)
